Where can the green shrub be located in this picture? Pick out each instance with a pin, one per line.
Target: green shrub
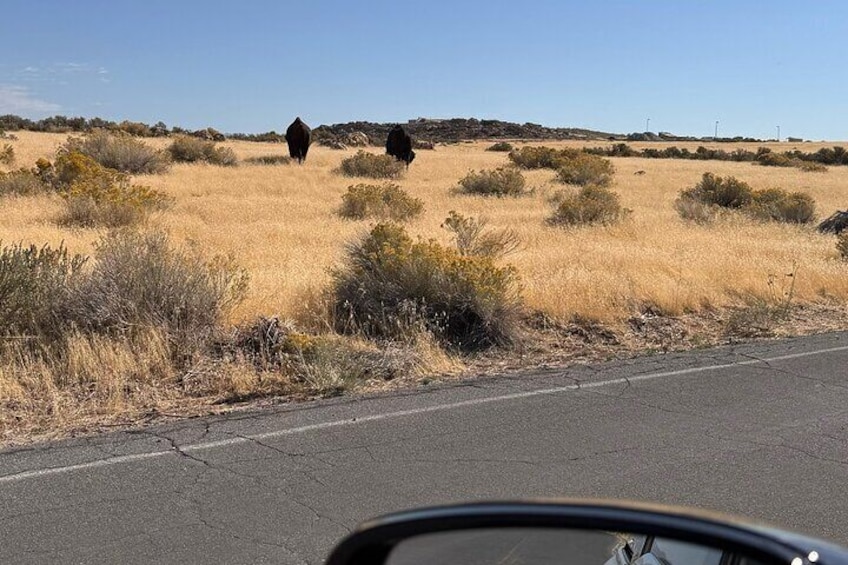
(503, 181)
(500, 146)
(387, 202)
(781, 206)
(591, 204)
(96, 196)
(393, 286)
(7, 155)
(187, 149)
(540, 157)
(472, 238)
(139, 280)
(22, 183)
(365, 164)
(120, 152)
(33, 286)
(269, 160)
(726, 193)
(584, 169)
(842, 244)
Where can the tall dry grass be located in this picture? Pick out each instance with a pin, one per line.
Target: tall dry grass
(280, 224)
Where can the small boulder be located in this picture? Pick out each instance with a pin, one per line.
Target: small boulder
(332, 143)
(356, 139)
(837, 223)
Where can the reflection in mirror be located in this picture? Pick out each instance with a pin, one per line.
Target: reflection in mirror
(546, 546)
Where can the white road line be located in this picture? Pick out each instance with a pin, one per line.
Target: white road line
(399, 414)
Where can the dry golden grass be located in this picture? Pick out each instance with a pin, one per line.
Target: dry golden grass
(101, 378)
(279, 222)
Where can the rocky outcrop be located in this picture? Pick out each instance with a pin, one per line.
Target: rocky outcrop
(331, 142)
(356, 139)
(209, 134)
(458, 129)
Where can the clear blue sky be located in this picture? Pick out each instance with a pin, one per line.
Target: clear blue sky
(252, 66)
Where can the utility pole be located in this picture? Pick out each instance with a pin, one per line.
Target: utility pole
(648, 125)
(715, 135)
(778, 134)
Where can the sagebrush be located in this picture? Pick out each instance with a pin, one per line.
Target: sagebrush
(393, 286)
(781, 206)
(140, 280)
(503, 181)
(34, 285)
(21, 183)
(584, 169)
(727, 192)
(365, 164)
(591, 204)
(96, 196)
(472, 237)
(387, 202)
(119, 151)
(713, 193)
(187, 149)
(504, 146)
(531, 157)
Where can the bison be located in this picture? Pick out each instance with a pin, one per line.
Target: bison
(298, 136)
(399, 145)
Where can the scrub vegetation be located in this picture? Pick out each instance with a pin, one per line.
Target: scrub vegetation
(232, 283)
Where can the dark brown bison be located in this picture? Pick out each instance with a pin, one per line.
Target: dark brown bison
(298, 136)
(399, 145)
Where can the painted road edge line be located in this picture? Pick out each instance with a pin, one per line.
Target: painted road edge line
(24, 475)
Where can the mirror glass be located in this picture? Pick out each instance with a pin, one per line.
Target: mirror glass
(545, 546)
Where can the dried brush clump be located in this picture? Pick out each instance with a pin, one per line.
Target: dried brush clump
(119, 151)
(393, 287)
(385, 202)
(365, 164)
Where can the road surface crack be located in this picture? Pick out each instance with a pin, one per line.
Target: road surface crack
(768, 365)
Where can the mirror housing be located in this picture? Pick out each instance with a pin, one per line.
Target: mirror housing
(374, 540)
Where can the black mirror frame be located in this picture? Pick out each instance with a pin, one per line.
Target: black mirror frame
(372, 542)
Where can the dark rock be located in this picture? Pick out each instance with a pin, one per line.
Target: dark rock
(837, 223)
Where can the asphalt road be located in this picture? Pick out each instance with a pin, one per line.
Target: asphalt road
(759, 430)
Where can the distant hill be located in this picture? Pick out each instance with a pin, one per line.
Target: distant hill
(459, 129)
(423, 130)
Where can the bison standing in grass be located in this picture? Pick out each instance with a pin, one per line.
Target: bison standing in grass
(399, 145)
(298, 136)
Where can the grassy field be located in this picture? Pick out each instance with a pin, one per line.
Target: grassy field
(280, 223)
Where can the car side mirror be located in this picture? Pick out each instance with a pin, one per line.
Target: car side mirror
(580, 532)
